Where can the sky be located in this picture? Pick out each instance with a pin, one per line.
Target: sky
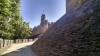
(31, 10)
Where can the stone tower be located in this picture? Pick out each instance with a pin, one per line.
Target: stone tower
(44, 22)
(44, 25)
(42, 19)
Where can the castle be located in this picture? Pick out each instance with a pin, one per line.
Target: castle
(44, 25)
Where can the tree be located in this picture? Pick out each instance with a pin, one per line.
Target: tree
(11, 22)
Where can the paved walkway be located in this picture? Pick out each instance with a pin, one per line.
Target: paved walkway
(23, 49)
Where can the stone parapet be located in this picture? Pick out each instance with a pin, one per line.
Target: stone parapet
(5, 43)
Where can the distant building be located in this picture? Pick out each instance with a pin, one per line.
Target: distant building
(44, 25)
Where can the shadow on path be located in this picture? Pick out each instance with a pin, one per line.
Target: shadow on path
(24, 51)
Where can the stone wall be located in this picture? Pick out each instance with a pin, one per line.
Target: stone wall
(72, 5)
(5, 44)
(39, 30)
(77, 33)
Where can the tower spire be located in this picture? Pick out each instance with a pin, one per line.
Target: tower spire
(42, 18)
(43, 12)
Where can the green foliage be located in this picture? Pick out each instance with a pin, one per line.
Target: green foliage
(11, 23)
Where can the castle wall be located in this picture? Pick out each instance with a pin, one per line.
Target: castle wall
(77, 33)
(41, 28)
(72, 5)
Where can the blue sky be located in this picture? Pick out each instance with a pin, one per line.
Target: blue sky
(31, 10)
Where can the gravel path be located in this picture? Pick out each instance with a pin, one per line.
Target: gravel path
(23, 49)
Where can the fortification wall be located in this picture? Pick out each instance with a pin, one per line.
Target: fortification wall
(72, 5)
(40, 29)
(74, 34)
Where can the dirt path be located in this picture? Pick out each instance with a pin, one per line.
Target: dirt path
(23, 49)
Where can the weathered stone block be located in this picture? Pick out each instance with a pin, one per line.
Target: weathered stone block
(26, 40)
(17, 41)
(5, 43)
(1, 43)
(23, 40)
(30, 40)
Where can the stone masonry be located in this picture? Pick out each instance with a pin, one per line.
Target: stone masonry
(77, 33)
